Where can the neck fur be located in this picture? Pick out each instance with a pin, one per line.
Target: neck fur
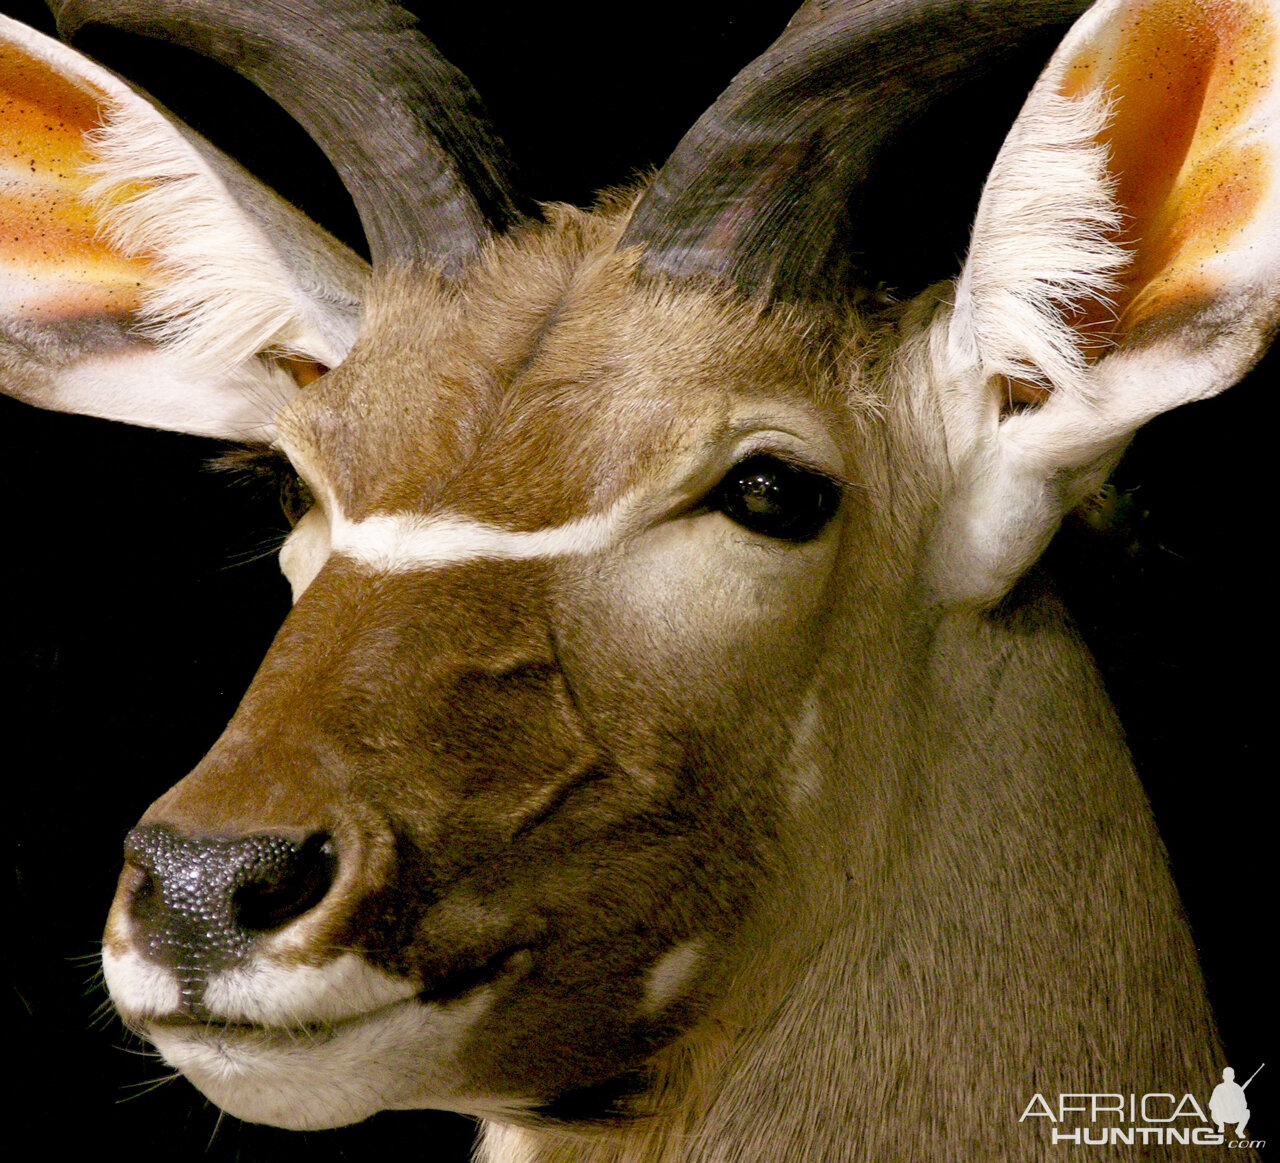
(995, 919)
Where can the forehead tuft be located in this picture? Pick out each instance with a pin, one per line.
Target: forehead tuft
(546, 383)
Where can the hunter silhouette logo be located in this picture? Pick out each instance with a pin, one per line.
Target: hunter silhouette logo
(1227, 1104)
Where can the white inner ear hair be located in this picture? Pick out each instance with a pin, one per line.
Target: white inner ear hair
(224, 295)
(1043, 245)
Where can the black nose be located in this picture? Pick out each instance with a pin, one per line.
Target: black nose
(198, 904)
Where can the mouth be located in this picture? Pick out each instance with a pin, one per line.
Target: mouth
(199, 1023)
(265, 1034)
(309, 1074)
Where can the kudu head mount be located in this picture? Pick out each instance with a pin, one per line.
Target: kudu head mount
(667, 722)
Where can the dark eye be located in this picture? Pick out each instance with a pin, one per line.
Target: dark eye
(775, 498)
(270, 469)
(295, 497)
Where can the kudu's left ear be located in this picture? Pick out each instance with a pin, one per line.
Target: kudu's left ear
(144, 276)
(1125, 259)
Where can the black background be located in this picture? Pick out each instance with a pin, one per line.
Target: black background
(140, 590)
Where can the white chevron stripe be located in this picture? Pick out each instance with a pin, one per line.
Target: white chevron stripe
(402, 542)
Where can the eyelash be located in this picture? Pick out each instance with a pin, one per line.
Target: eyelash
(260, 465)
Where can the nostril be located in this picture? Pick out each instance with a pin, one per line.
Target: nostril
(198, 903)
(144, 889)
(287, 881)
(141, 889)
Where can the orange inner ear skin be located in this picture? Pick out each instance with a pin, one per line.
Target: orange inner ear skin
(304, 371)
(1216, 200)
(1185, 76)
(43, 115)
(53, 258)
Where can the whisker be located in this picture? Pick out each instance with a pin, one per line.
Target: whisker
(146, 1086)
(214, 1133)
(265, 546)
(101, 1015)
(94, 958)
(144, 1053)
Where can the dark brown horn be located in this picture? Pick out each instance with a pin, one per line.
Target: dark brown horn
(404, 129)
(765, 189)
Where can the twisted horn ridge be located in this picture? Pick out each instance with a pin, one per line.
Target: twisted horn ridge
(765, 188)
(405, 130)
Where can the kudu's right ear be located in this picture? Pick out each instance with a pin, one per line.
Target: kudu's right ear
(144, 276)
(1125, 259)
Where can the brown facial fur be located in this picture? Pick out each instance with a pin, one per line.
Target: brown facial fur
(546, 357)
(504, 777)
